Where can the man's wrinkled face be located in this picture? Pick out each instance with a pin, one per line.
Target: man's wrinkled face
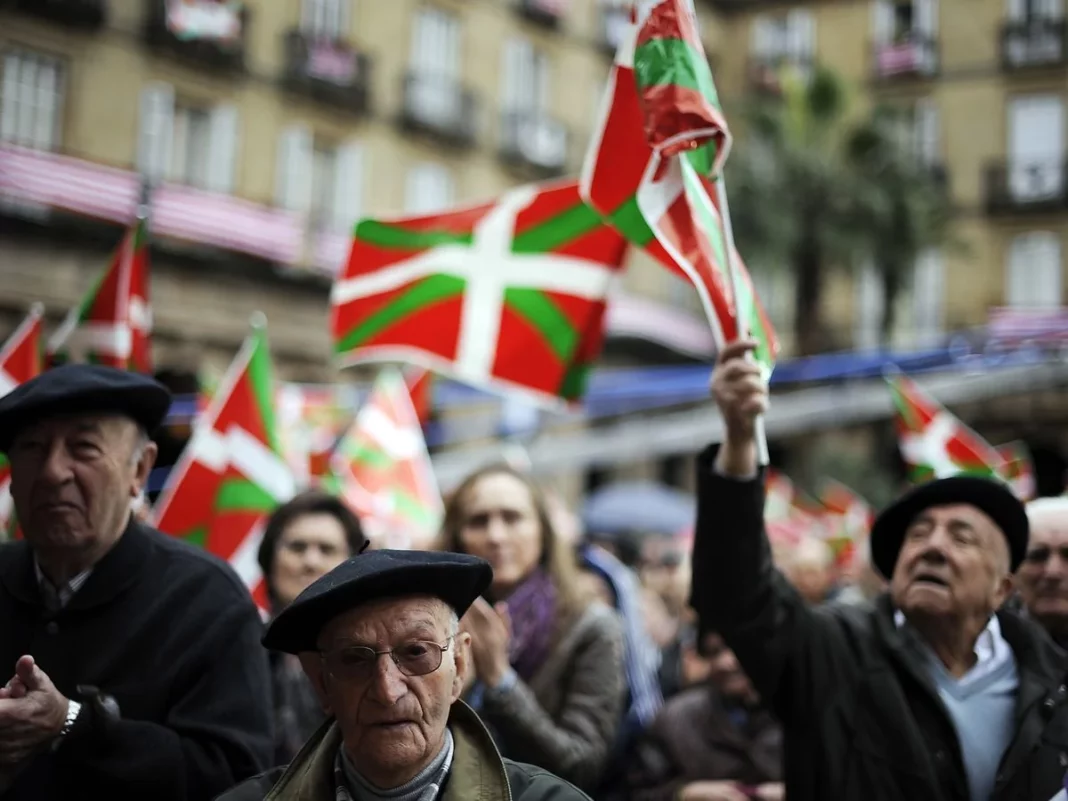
(392, 724)
(1043, 577)
(73, 479)
(953, 564)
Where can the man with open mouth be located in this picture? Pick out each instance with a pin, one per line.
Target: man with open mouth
(937, 691)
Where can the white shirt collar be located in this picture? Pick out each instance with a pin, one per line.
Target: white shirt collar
(63, 593)
(991, 649)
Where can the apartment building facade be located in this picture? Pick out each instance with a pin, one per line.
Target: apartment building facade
(986, 83)
(265, 128)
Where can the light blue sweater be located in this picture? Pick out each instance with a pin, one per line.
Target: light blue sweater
(982, 704)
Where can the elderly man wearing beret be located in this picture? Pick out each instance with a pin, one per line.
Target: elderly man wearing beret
(134, 659)
(934, 693)
(379, 639)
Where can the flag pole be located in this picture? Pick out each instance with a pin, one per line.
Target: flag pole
(743, 323)
(732, 273)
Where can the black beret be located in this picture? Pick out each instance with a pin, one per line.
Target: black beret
(82, 389)
(990, 496)
(457, 579)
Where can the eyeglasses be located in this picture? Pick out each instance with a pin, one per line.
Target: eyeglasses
(416, 658)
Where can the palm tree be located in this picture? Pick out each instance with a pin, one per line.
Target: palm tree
(813, 192)
(905, 208)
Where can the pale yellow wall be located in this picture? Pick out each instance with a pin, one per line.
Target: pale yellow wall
(972, 94)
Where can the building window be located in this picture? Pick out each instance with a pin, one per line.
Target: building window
(186, 142)
(1036, 147)
(926, 132)
(428, 189)
(190, 148)
(31, 104)
(904, 21)
(436, 95)
(1035, 10)
(1034, 273)
(868, 303)
(325, 19)
(524, 77)
(436, 44)
(320, 179)
(615, 20)
(928, 298)
(785, 39)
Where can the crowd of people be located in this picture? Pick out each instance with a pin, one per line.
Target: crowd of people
(521, 658)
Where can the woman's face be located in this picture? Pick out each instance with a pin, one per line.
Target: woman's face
(311, 546)
(500, 524)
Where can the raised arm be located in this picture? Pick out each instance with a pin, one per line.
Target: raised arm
(791, 652)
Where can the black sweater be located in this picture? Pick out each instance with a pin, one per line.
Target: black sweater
(172, 634)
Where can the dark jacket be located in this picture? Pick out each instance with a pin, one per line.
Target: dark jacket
(860, 715)
(172, 634)
(478, 772)
(698, 737)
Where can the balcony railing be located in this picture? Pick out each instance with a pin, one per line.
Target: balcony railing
(546, 13)
(534, 140)
(1027, 186)
(440, 106)
(330, 71)
(913, 56)
(1033, 43)
(201, 32)
(47, 182)
(86, 14)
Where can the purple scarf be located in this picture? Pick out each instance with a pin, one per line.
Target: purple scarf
(532, 611)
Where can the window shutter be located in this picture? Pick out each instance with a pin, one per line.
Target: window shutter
(761, 36)
(1015, 10)
(428, 189)
(1034, 271)
(927, 132)
(420, 56)
(867, 307)
(9, 101)
(222, 149)
(48, 102)
(541, 68)
(800, 35)
(928, 297)
(926, 17)
(515, 74)
(155, 139)
(882, 22)
(348, 187)
(1052, 9)
(293, 182)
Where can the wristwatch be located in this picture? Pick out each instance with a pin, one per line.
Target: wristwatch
(73, 710)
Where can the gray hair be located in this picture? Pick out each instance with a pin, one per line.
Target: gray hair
(1047, 506)
(140, 444)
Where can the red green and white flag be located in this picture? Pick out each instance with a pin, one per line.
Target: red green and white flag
(383, 471)
(1018, 470)
(20, 360)
(510, 293)
(847, 520)
(934, 443)
(653, 164)
(113, 323)
(232, 473)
